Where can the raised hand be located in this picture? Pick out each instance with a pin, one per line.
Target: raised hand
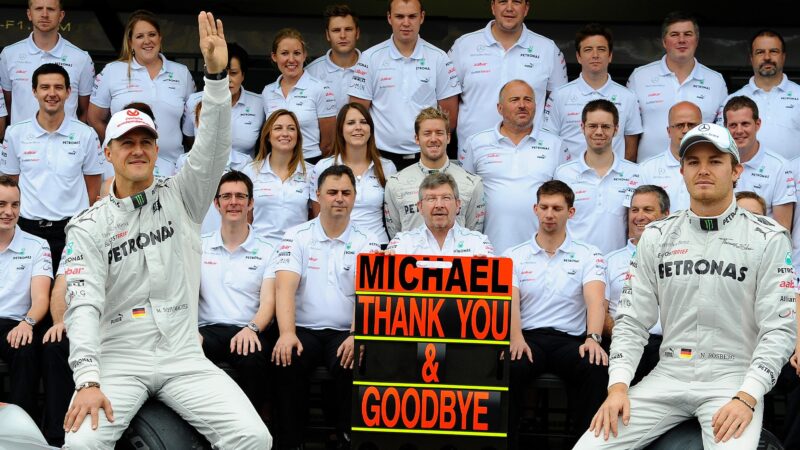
(212, 42)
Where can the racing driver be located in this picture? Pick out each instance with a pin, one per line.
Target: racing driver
(133, 275)
(723, 280)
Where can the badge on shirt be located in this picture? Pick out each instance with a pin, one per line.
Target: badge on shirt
(138, 313)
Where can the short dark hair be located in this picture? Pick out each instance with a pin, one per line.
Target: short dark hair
(737, 103)
(235, 176)
(678, 16)
(47, 69)
(556, 187)
(600, 105)
(8, 181)
(237, 51)
(663, 197)
(389, 4)
(753, 196)
(767, 32)
(336, 170)
(143, 107)
(594, 29)
(338, 11)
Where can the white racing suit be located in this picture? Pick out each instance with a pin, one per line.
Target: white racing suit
(133, 276)
(726, 294)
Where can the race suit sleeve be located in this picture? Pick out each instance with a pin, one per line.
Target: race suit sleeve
(776, 328)
(391, 213)
(637, 312)
(86, 296)
(198, 179)
(476, 209)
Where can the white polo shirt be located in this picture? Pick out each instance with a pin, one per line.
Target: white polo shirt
(600, 212)
(484, 66)
(62, 262)
(562, 114)
(310, 99)
(166, 95)
(795, 166)
(665, 171)
(26, 257)
(367, 213)
(278, 205)
(460, 241)
(51, 166)
(18, 62)
(551, 288)
(779, 111)
(230, 282)
(247, 118)
(769, 176)
(399, 88)
(337, 78)
(511, 175)
(657, 89)
(619, 262)
(325, 296)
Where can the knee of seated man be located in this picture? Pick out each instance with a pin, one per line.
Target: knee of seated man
(86, 438)
(252, 434)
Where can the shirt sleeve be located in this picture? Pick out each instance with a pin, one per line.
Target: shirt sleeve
(188, 116)
(5, 79)
(264, 102)
(466, 156)
(552, 118)
(87, 77)
(595, 268)
(784, 186)
(391, 213)
(9, 160)
(43, 262)
(363, 79)
(453, 54)
(326, 103)
(447, 82)
(101, 92)
(312, 181)
(633, 122)
(290, 256)
(558, 75)
(486, 245)
(93, 157)
(476, 209)
(269, 268)
(722, 95)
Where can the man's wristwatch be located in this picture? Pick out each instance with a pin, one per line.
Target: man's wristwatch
(595, 337)
(254, 327)
(29, 320)
(87, 384)
(214, 76)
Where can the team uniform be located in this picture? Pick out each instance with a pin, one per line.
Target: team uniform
(664, 170)
(562, 114)
(657, 89)
(600, 211)
(399, 88)
(795, 166)
(247, 117)
(769, 176)
(484, 66)
(511, 174)
(723, 288)
(337, 78)
(367, 213)
(460, 241)
(402, 194)
(18, 62)
(132, 298)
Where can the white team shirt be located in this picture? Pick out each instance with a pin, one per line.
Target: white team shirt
(310, 99)
(551, 288)
(460, 241)
(665, 171)
(779, 111)
(18, 62)
(600, 212)
(278, 205)
(325, 297)
(230, 282)
(51, 166)
(795, 166)
(337, 78)
(657, 89)
(562, 114)
(166, 95)
(619, 262)
(769, 176)
(26, 257)
(511, 175)
(399, 88)
(483, 67)
(367, 213)
(247, 118)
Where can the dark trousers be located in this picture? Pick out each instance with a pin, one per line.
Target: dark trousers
(25, 369)
(650, 357)
(789, 384)
(58, 388)
(52, 232)
(400, 161)
(319, 348)
(252, 369)
(557, 353)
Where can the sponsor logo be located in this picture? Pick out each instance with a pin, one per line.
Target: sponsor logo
(701, 267)
(142, 240)
(117, 319)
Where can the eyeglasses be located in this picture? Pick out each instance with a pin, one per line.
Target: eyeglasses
(228, 196)
(432, 199)
(604, 127)
(683, 126)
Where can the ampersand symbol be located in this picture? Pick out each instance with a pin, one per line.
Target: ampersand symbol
(430, 367)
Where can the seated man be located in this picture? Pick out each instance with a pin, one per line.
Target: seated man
(315, 272)
(557, 309)
(237, 289)
(441, 234)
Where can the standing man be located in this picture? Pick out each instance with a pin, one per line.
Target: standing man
(765, 173)
(721, 281)
(335, 68)
(504, 50)
(601, 180)
(315, 280)
(133, 281)
(512, 160)
(594, 47)
(401, 76)
(44, 45)
(401, 194)
(55, 158)
(777, 97)
(664, 169)
(675, 77)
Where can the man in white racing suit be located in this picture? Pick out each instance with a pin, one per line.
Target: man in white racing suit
(723, 280)
(133, 275)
